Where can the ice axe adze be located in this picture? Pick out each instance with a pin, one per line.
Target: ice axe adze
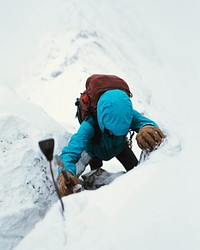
(47, 148)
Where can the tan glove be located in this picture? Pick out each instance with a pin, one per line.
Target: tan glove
(149, 137)
(64, 191)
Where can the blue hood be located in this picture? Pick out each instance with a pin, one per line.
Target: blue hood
(115, 112)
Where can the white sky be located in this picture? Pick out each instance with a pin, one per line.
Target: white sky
(179, 36)
(22, 24)
(178, 22)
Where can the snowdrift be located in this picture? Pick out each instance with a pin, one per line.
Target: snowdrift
(26, 191)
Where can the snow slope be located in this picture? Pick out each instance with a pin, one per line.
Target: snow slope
(26, 191)
(154, 206)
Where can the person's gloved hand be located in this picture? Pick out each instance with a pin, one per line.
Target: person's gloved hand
(64, 191)
(149, 137)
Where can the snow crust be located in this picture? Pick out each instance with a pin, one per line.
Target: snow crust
(154, 206)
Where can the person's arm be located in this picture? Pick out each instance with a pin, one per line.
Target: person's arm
(140, 121)
(77, 144)
(149, 134)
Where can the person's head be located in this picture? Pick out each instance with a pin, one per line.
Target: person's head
(115, 112)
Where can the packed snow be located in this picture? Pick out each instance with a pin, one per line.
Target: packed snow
(48, 49)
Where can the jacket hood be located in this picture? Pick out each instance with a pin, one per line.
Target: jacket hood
(115, 112)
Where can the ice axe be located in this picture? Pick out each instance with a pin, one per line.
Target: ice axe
(47, 148)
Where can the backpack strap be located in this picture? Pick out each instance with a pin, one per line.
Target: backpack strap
(78, 111)
(98, 133)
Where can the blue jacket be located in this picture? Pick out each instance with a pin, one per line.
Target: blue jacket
(114, 113)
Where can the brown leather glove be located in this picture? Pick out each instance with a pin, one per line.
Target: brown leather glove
(64, 191)
(149, 137)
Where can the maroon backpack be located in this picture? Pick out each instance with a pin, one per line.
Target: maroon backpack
(96, 85)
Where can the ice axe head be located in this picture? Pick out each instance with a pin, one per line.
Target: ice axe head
(47, 147)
